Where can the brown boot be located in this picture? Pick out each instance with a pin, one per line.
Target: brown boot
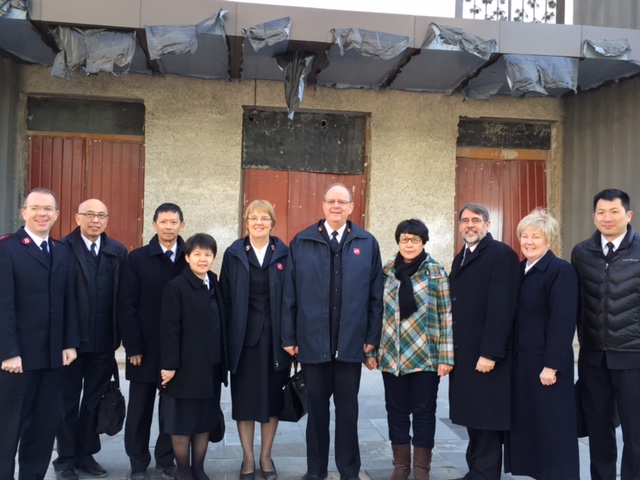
(401, 462)
(421, 463)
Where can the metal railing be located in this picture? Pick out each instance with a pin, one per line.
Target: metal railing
(538, 11)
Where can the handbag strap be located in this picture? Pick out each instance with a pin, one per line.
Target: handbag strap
(116, 372)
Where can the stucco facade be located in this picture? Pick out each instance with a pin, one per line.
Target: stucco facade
(193, 137)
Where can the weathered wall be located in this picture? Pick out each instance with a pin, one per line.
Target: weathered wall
(602, 145)
(609, 13)
(9, 188)
(194, 133)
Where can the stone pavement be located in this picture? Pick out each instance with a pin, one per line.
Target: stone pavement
(223, 459)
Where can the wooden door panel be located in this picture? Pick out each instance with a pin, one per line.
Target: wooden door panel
(510, 189)
(301, 192)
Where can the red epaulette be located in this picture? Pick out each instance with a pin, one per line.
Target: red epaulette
(6, 237)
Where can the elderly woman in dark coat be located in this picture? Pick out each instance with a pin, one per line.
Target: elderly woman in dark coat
(543, 441)
(251, 282)
(192, 357)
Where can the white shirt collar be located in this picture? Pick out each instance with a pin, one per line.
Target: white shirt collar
(88, 242)
(331, 230)
(206, 282)
(472, 247)
(36, 239)
(260, 252)
(528, 265)
(616, 243)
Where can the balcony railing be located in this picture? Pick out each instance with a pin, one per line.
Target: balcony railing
(538, 11)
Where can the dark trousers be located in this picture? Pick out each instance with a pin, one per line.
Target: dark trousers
(137, 429)
(602, 390)
(28, 415)
(484, 454)
(410, 396)
(76, 437)
(342, 380)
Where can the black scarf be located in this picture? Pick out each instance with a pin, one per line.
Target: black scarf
(404, 271)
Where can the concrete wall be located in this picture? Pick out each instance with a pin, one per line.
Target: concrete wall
(601, 151)
(609, 13)
(194, 134)
(9, 188)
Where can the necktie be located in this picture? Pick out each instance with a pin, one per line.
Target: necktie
(45, 249)
(610, 253)
(169, 254)
(94, 252)
(334, 240)
(464, 255)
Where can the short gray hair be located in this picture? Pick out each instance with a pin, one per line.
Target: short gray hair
(541, 220)
(476, 208)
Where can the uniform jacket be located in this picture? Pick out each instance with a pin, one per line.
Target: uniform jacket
(187, 336)
(610, 298)
(147, 271)
(234, 286)
(305, 312)
(112, 251)
(484, 295)
(424, 340)
(37, 302)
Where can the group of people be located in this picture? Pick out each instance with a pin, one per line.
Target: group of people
(500, 328)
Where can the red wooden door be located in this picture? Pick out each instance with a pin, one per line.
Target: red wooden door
(509, 188)
(297, 196)
(80, 167)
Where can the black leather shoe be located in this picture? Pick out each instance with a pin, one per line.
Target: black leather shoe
(313, 476)
(349, 477)
(89, 466)
(246, 476)
(66, 475)
(167, 471)
(269, 475)
(138, 475)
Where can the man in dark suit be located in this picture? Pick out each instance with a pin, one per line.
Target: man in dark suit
(608, 266)
(98, 264)
(146, 273)
(38, 336)
(331, 317)
(485, 277)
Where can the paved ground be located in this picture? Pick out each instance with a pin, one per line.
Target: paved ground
(223, 459)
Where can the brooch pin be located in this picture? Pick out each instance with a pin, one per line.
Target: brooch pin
(356, 251)
(247, 248)
(26, 241)
(280, 267)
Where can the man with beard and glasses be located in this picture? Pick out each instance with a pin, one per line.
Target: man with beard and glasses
(484, 278)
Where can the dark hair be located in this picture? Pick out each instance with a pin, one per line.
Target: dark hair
(203, 241)
(168, 207)
(413, 226)
(41, 190)
(476, 208)
(611, 194)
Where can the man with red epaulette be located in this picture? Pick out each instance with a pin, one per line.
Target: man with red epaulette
(38, 336)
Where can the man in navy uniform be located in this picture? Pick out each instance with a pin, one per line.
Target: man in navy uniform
(38, 336)
(147, 271)
(99, 262)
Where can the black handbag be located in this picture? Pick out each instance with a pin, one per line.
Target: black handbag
(112, 408)
(294, 392)
(217, 434)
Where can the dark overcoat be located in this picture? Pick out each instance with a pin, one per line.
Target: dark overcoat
(37, 302)
(306, 295)
(484, 295)
(543, 442)
(147, 271)
(188, 332)
(234, 286)
(115, 254)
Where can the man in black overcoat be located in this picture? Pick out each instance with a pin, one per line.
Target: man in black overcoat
(485, 277)
(146, 273)
(38, 336)
(98, 264)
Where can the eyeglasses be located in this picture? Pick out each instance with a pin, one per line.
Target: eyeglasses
(342, 203)
(37, 208)
(262, 219)
(474, 220)
(92, 215)
(410, 239)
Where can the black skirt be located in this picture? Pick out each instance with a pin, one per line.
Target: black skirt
(256, 389)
